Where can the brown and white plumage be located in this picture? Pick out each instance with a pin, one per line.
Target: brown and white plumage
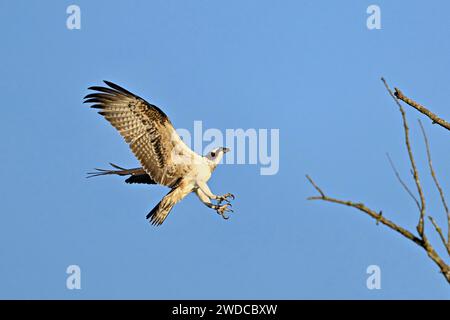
(164, 157)
(144, 127)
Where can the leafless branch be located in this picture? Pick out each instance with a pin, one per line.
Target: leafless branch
(378, 216)
(315, 186)
(438, 186)
(439, 232)
(422, 109)
(399, 178)
(421, 239)
(420, 225)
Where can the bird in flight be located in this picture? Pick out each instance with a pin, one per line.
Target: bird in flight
(165, 158)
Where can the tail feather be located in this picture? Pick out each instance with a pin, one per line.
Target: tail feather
(137, 175)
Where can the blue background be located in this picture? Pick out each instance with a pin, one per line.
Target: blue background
(310, 68)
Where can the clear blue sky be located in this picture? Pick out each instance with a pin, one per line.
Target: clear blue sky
(309, 68)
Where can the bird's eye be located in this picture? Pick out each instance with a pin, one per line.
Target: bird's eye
(213, 154)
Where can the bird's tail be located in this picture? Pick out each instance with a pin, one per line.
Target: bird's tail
(120, 171)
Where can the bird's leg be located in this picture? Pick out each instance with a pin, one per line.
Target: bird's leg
(220, 209)
(204, 187)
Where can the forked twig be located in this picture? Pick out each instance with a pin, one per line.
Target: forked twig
(421, 240)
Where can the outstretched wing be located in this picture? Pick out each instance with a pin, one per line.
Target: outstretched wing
(163, 208)
(147, 130)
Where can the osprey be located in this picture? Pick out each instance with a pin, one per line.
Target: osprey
(165, 158)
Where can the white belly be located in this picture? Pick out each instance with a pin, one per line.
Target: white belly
(203, 172)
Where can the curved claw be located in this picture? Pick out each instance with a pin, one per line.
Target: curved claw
(225, 198)
(222, 209)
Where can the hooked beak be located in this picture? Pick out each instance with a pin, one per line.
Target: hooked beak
(225, 150)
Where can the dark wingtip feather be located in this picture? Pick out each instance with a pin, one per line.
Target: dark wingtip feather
(118, 88)
(103, 89)
(153, 218)
(98, 106)
(152, 214)
(91, 100)
(90, 95)
(156, 223)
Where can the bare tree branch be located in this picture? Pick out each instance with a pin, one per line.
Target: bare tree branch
(315, 186)
(438, 186)
(378, 216)
(421, 240)
(422, 109)
(420, 225)
(439, 232)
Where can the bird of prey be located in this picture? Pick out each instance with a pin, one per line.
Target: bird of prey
(165, 158)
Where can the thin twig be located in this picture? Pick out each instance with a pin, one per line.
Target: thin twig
(436, 182)
(405, 186)
(420, 225)
(379, 217)
(422, 109)
(439, 232)
(315, 186)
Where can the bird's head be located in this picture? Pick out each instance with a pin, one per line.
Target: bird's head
(216, 155)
